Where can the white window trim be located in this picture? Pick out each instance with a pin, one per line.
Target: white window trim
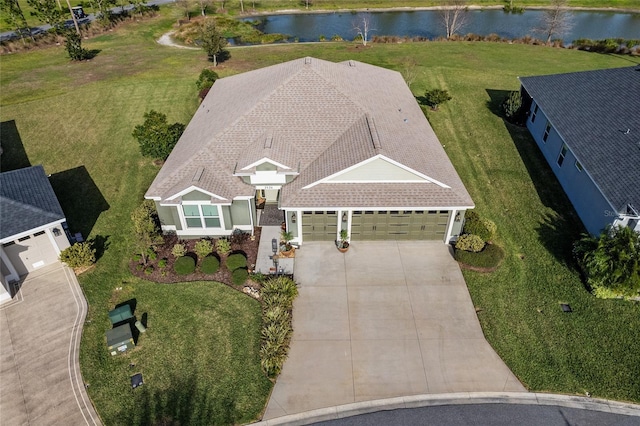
(194, 188)
(183, 219)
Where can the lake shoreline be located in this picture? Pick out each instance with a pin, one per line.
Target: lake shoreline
(426, 8)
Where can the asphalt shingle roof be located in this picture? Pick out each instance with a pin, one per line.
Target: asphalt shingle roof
(27, 201)
(592, 111)
(321, 117)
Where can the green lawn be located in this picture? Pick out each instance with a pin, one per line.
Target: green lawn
(76, 120)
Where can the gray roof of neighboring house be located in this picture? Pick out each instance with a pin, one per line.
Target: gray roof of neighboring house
(27, 201)
(592, 111)
(317, 118)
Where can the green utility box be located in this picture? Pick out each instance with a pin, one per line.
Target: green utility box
(120, 314)
(119, 339)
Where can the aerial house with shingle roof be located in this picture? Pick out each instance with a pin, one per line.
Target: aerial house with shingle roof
(32, 225)
(587, 125)
(328, 146)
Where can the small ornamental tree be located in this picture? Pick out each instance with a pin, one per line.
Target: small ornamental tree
(145, 229)
(611, 262)
(156, 136)
(73, 44)
(78, 255)
(203, 248)
(206, 79)
(512, 108)
(435, 97)
(212, 41)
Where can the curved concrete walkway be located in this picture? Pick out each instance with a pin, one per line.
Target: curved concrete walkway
(416, 401)
(387, 319)
(40, 331)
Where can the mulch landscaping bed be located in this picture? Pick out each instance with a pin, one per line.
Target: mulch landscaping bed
(247, 246)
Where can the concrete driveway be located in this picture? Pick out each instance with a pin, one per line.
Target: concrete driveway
(386, 319)
(40, 332)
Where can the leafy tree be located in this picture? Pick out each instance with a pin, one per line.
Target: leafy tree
(145, 229)
(73, 44)
(212, 41)
(103, 10)
(156, 136)
(611, 261)
(47, 11)
(454, 16)
(13, 16)
(435, 97)
(513, 109)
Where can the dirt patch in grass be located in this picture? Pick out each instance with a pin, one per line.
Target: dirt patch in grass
(246, 245)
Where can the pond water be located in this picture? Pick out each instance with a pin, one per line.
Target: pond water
(309, 27)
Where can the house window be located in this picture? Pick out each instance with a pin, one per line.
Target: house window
(201, 216)
(24, 238)
(578, 166)
(546, 132)
(563, 153)
(535, 111)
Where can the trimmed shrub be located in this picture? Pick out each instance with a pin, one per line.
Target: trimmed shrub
(162, 263)
(184, 265)
(223, 246)
(435, 97)
(206, 79)
(488, 258)
(470, 242)
(79, 255)
(203, 248)
(484, 228)
(236, 261)
(239, 276)
(148, 270)
(179, 250)
(280, 285)
(275, 314)
(210, 265)
(238, 236)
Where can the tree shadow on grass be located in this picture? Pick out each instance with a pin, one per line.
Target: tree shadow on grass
(185, 402)
(80, 199)
(13, 155)
(556, 231)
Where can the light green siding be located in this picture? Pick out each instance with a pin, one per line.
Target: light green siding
(456, 229)
(196, 196)
(240, 214)
(168, 216)
(226, 214)
(266, 167)
(378, 170)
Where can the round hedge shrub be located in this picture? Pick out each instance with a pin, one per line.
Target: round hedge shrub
(184, 265)
(236, 261)
(239, 276)
(210, 265)
(484, 228)
(470, 242)
(488, 258)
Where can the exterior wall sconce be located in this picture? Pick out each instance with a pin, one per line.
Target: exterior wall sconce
(344, 216)
(56, 232)
(293, 217)
(458, 217)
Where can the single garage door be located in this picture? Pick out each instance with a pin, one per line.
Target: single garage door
(319, 225)
(399, 225)
(30, 253)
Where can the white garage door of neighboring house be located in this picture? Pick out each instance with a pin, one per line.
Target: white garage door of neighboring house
(399, 225)
(30, 253)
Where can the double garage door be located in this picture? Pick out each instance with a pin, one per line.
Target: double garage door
(30, 253)
(378, 225)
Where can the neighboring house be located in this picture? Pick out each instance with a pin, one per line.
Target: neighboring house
(587, 125)
(32, 224)
(332, 145)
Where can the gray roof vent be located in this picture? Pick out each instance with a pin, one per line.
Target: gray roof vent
(198, 174)
(268, 141)
(375, 138)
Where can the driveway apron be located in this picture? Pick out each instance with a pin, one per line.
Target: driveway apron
(385, 319)
(40, 332)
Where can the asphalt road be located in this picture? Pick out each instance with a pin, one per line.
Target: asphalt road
(488, 415)
(9, 35)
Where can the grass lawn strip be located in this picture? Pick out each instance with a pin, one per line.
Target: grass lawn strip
(81, 115)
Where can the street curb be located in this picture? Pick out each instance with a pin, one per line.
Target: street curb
(461, 398)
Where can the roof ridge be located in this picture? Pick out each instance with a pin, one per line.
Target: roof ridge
(25, 206)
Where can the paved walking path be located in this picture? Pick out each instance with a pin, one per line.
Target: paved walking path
(40, 333)
(386, 319)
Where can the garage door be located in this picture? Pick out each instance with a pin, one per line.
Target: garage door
(319, 225)
(399, 225)
(30, 253)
